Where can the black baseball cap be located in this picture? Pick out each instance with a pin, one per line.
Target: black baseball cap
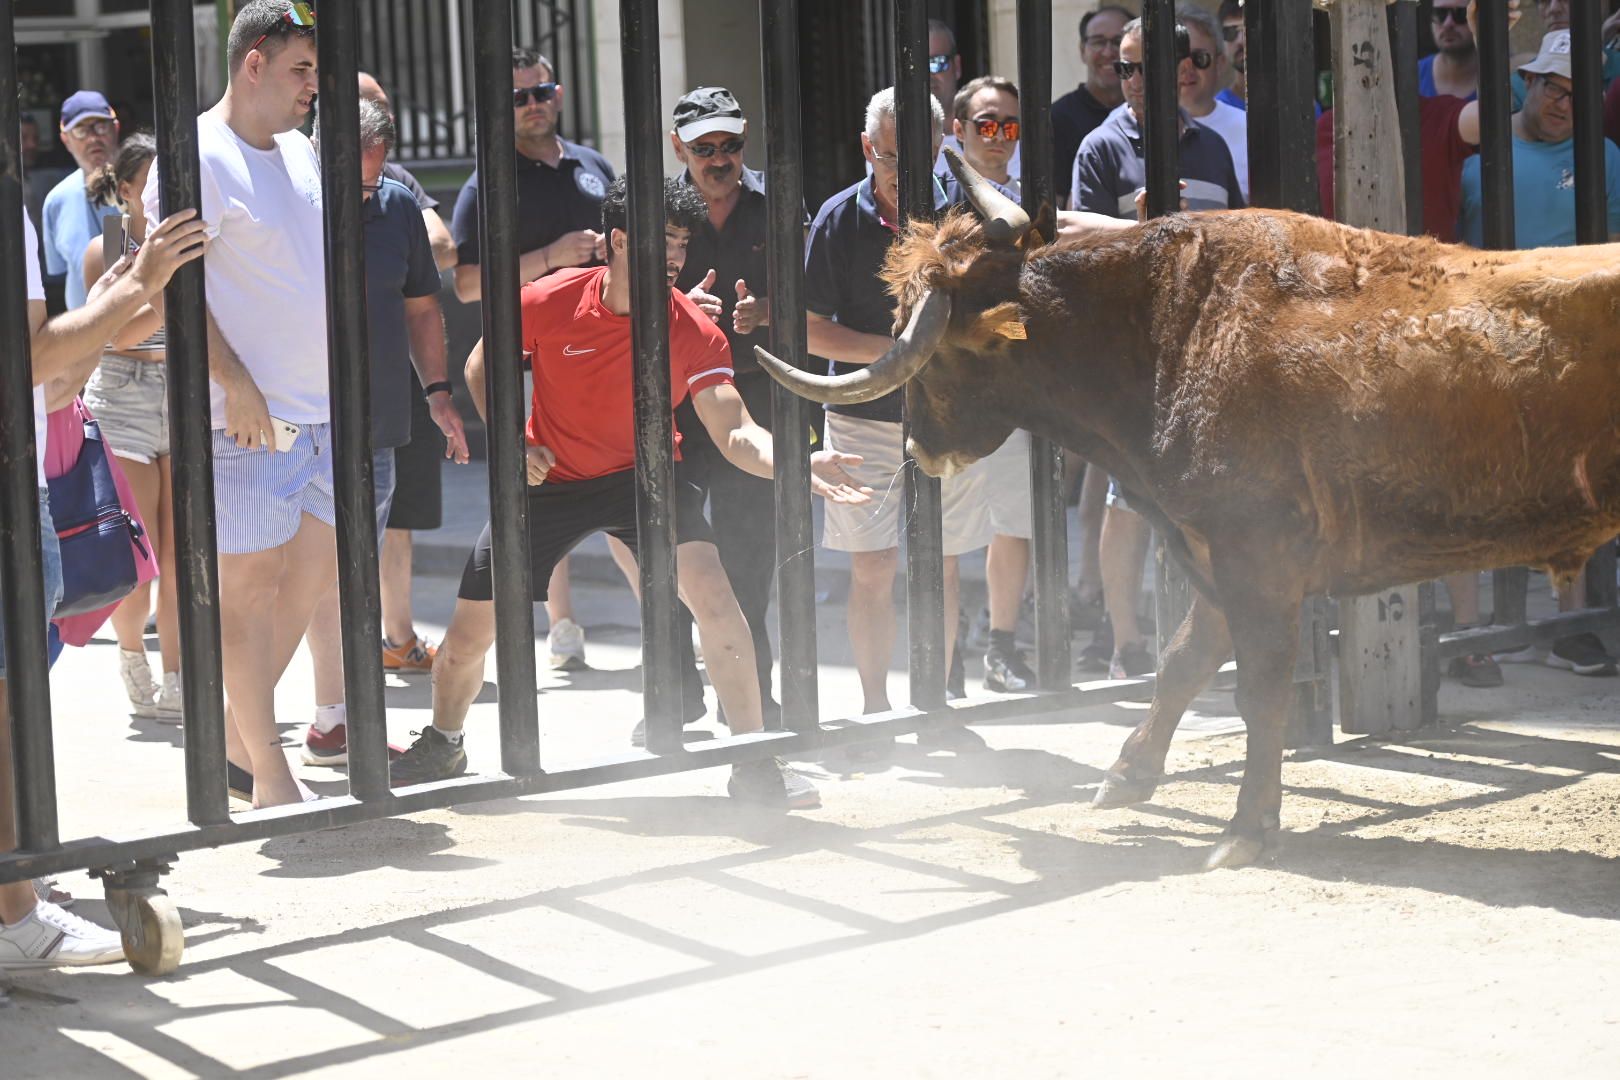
(706, 109)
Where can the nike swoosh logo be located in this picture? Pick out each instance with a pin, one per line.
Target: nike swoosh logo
(569, 350)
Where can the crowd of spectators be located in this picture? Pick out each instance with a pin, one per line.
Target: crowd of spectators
(100, 240)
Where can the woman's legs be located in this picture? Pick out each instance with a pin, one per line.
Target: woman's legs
(129, 619)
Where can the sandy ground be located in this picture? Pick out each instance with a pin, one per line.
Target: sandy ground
(1449, 905)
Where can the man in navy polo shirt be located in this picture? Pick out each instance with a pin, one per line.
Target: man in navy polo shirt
(404, 326)
(850, 321)
(1109, 171)
(560, 190)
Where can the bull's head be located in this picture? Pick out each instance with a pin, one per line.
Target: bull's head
(954, 283)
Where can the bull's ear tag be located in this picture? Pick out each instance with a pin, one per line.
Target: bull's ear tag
(1014, 329)
(1003, 319)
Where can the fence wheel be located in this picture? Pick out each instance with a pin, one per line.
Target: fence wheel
(150, 924)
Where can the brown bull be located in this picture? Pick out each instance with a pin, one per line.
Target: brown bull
(1299, 406)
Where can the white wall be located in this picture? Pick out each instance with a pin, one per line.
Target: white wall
(610, 75)
(1067, 70)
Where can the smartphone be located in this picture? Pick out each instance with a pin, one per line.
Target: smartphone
(286, 434)
(114, 239)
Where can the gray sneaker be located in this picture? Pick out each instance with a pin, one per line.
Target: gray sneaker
(772, 783)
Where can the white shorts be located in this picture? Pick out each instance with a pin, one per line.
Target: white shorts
(1007, 487)
(875, 526)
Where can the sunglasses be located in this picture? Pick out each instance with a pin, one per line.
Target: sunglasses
(539, 93)
(1458, 15)
(1201, 58)
(707, 150)
(1231, 33)
(937, 64)
(301, 17)
(987, 128)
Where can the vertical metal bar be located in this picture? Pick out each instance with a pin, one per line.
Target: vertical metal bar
(22, 601)
(1403, 50)
(580, 129)
(790, 424)
(925, 562)
(503, 354)
(1050, 541)
(174, 86)
(1161, 127)
(349, 373)
(649, 314)
(1282, 124)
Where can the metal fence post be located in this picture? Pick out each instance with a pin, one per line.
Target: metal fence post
(926, 617)
(503, 355)
(649, 315)
(1049, 518)
(795, 530)
(196, 564)
(22, 601)
(349, 373)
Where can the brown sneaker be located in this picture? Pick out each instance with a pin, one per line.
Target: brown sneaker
(415, 655)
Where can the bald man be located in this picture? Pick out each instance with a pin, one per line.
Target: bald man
(444, 248)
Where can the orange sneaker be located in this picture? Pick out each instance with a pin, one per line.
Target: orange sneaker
(415, 655)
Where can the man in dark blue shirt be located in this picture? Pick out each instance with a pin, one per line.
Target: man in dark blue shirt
(1109, 171)
(404, 327)
(850, 322)
(1077, 113)
(560, 187)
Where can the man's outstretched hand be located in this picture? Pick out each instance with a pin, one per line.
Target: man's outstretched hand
(829, 480)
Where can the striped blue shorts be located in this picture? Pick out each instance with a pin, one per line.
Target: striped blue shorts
(261, 496)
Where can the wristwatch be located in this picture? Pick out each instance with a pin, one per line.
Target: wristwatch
(433, 388)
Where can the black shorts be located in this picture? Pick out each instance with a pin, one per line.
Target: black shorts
(564, 513)
(418, 501)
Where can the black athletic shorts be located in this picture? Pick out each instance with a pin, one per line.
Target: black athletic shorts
(564, 513)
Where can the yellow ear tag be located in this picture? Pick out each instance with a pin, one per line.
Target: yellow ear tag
(1013, 329)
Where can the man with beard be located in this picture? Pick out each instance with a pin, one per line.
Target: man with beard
(561, 185)
(1454, 69)
(1235, 36)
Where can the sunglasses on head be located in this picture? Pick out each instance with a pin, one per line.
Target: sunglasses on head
(1458, 15)
(937, 64)
(538, 93)
(988, 127)
(708, 150)
(301, 17)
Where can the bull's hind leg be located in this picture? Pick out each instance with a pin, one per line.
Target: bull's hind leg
(1190, 659)
(1262, 610)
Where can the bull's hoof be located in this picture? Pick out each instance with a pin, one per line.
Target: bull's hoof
(1118, 790)
(1235, 851)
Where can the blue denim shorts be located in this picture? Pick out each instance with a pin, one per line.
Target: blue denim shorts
(51, 559)
(383, 479)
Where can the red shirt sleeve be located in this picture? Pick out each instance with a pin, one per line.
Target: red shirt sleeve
(1324, 162)
(700, 356)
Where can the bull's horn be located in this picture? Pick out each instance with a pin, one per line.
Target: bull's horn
(1004, 220)
(906, 357)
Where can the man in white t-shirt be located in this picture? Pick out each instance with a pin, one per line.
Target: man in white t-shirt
(1199, 85)
(64, 351)
(272, 444)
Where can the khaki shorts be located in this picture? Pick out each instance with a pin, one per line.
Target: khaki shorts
(1007, 487)
(875, 526)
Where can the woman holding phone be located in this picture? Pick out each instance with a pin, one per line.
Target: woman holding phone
(128, 393)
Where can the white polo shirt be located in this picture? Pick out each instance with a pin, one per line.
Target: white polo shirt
(36, 291)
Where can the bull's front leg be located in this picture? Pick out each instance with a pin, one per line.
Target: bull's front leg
(1262, 610)
(1190, 659)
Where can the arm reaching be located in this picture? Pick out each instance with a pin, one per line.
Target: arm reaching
(750, 447)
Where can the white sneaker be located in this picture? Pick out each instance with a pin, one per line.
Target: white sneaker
(45, 889)
(567, 645)
(169, 707)
(50, 937)
(138, 682)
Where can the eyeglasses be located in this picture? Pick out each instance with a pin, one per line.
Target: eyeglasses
(85, 129)
(885, 161)
(939, 63)
(1097, 41)
(1556, 95)
(708, 150)
(988, 127)
(1232, 32)
(538, 93)
(1458, 15)
(301, 17)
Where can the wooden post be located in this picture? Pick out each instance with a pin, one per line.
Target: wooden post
(1380, 665)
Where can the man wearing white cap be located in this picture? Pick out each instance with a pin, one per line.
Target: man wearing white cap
(1544, 216)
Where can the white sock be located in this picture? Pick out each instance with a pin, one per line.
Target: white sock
(328, 717)
(453, 736)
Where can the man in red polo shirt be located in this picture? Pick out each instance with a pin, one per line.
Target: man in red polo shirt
(581, 459)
